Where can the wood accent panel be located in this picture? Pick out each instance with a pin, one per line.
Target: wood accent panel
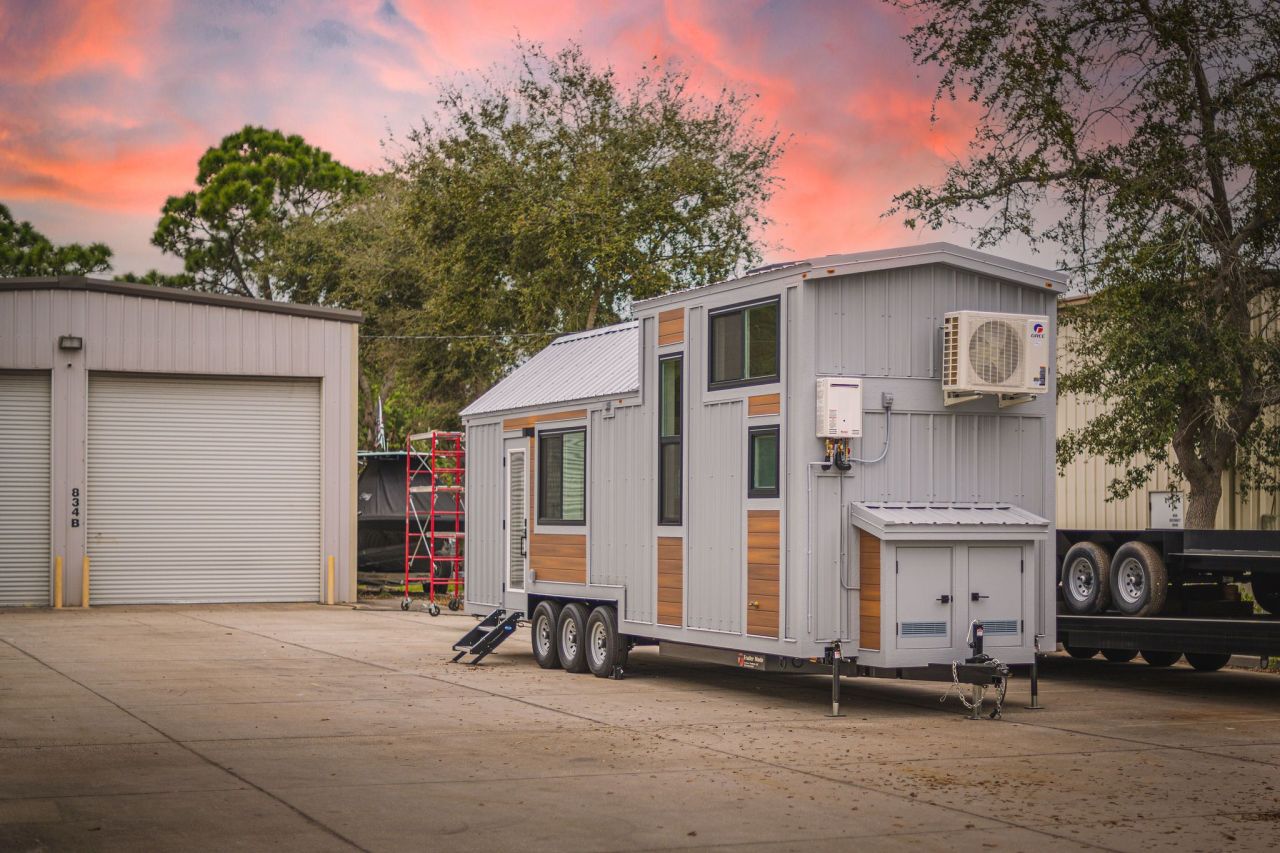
(671, 327)
(869, 595)
(764, 559)
(559, 557)
(516, 424)
(764, 404)
(670, 580)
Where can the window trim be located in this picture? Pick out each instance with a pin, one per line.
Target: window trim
(752, 492)
(677, 439)
(741, 307)
(541, 487)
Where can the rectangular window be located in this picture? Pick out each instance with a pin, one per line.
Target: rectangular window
(744, 345)
(670, 439)
(762, 462)
(562, 477)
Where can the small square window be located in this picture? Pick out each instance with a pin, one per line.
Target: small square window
(762, 462)
(744, 345)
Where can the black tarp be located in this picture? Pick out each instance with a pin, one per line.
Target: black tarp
(380, 510)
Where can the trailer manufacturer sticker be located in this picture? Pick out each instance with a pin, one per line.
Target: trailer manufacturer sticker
(751, 661)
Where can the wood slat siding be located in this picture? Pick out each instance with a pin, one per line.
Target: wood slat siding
(670, 580)
(671, 327)
(869, 596)
(558, 557)
(764, 557)
(764, 404)
(517, 424)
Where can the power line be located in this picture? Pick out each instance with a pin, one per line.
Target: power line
(457, 337)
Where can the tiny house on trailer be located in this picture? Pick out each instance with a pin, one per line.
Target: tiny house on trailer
(843, 459)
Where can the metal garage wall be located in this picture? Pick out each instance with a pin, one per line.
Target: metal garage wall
(203, 490)
(24, 489)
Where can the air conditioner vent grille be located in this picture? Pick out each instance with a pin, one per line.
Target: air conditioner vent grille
(951, 350)
(995, 352)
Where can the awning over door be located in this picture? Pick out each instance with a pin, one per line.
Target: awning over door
(203, 490)
(24, 489)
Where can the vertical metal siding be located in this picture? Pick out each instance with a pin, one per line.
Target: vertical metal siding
(24, 489)
(717, 466)
(203, 490)
(622, 540)
(486, 482)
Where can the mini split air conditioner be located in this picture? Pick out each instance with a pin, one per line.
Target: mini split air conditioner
(984, 353)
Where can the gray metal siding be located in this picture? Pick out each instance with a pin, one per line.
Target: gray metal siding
(715, 568)
(24, 489)
(621, 540)
(485, 484)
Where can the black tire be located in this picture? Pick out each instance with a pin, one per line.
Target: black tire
(1080, 653)
(1266, 591)
(433, 609)
(1203, 662)
(1086, 579)
(1139, 580)
(606, 648)
(571, 637)
(404, 604)
(543, 627)
(1119, 655)
(1155, 658)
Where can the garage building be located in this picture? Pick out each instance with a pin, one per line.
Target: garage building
(185, 447)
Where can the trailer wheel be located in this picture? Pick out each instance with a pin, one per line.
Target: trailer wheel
(1079, 652)
(1203, 662)
(1139, 580)
(571, 637)
(1157, 658)
(1119, 655)
(546, 616)
(1086, 579)
(605, 647)
(1266, 591)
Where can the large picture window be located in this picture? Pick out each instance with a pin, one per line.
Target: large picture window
(562, 477)
(762, 462)
(670, 439)
(744, 345)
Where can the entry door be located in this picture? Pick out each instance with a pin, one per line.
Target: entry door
(996, 593)
(517, 518)
(925, 597)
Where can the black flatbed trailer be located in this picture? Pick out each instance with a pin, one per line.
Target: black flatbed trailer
(1255, 635)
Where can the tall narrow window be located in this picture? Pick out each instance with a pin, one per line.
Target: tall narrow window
(744, 345)
(562, 477)
(670, 438)
(762, 462)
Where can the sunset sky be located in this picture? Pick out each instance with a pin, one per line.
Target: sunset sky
(106, 106)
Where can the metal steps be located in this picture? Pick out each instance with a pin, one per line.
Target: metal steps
(487, 636)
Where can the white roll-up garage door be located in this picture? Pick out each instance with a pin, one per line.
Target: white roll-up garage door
(24, 489)
(203, 490)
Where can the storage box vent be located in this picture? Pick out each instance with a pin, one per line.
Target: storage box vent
(1001, 626)
(923, 629)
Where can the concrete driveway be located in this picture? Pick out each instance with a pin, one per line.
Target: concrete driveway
(313, 728)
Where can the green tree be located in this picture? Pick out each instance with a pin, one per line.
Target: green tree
(24, 251)
(159, 279)
(1146, 134)
(249, 188)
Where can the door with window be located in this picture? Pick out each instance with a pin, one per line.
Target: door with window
(517, 515)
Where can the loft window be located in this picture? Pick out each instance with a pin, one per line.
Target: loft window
(562, 477)
(670, 439)
(762, 462)
(744, 345)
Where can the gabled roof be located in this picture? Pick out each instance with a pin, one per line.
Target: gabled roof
(600, 363)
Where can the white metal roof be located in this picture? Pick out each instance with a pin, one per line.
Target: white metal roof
(598, 363)
(891, 517)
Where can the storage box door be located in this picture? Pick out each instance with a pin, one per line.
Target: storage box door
(996, 581)
(925, 596)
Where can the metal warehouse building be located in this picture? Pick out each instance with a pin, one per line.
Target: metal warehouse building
(177, 446)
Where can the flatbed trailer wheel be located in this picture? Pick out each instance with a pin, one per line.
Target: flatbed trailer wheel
(1203, 662)
(1266, 591)
(1139, 580)
(1086, 579)
(606, 649)
(1080, 653)
(571, 636)
(1119, 655)
(1158, 658)
(546, 650)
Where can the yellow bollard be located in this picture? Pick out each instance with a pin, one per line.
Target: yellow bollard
(328, 592)
(84, 582)
(57, 583)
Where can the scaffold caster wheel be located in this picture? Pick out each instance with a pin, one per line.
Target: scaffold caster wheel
(455, 604)
(433, 609)
(404, 604)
